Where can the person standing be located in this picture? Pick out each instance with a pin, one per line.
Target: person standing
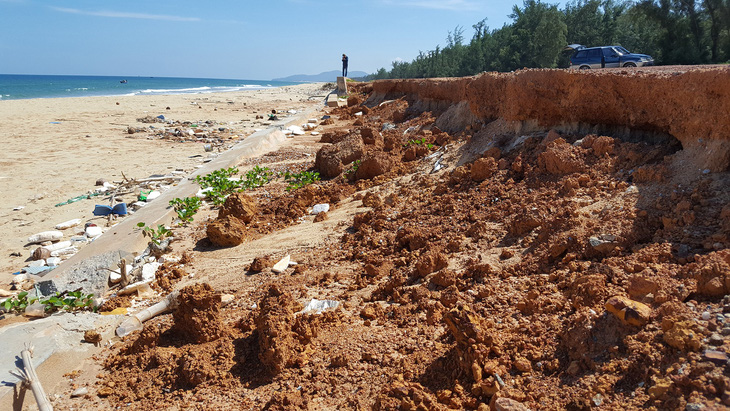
(344, 65)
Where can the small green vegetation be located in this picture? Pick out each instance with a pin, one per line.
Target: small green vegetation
(18, 302)
(257, 177)
(156, 235)
(350, 172)
(186, 208)
(69, 301)
(220, 184)
(419, 142)
(299, 180)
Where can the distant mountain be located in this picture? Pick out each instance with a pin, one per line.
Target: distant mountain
(326, 76)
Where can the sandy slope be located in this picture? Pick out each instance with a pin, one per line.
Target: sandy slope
(56, 149)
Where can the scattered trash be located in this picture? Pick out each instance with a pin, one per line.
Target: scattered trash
(78, 198)
(30, 377)
(93, 231)
(296, 130)
(80, 392)
(35, 310)
(208, 148)
(320, 208)
(68, 224)
(18, 208)
(134, 322)
(317, 306)
(282, 265)
(118, 209)
(45, 236)
(153, 195)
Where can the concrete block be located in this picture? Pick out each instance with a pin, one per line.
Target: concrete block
(341, 85)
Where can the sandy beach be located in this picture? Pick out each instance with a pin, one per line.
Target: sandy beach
(56, 149)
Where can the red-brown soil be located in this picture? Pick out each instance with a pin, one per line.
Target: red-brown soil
(494, 276)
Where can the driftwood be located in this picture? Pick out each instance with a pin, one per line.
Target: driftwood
(30, 378)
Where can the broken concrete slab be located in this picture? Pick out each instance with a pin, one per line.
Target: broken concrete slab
(91, 274)
(59, 347)
(341, 85)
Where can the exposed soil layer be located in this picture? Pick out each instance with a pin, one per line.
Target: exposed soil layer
(487, 267)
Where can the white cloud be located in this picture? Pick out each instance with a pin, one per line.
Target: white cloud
(125, 15)
(453, 5)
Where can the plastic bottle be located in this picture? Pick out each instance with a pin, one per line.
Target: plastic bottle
(134, 322)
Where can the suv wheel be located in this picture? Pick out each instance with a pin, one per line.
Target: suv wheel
(629, 65)
(585, 67)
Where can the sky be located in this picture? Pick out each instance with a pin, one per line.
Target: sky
(245, 39)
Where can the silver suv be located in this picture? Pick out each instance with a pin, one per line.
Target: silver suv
(606, 57)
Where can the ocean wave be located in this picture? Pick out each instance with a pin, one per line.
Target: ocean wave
(202, 90)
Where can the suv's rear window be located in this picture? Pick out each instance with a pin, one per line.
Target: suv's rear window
(594, 53)
(580, 54)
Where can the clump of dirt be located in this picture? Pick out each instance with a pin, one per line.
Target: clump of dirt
(241, 206)
(227, 231)
(121, 301)
(193, 350)
(167, 275)
(198, 314)
(278, 343)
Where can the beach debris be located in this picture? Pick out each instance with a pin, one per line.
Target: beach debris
(68, 224)
(317, 306)
(35, 310)
(135, 322)
(29, 377)
(296, 130)
(18, 208)
(93, 231)
(80, 392)
(153, 195)
(282, 265)
(92, 336)
(118, 209)
(79, 198)
(320, 208)
(45, 236)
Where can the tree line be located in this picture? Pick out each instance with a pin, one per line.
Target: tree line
(671, 31)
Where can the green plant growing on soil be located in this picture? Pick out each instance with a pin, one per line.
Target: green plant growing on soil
(419, 142)
(18, 303)
(156, 235)
(350, 172)
(186, 208)
(257, 177)
(69, 301)
(220, 184)
(299, 180)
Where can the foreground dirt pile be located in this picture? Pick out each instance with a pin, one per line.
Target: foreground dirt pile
(483, 268)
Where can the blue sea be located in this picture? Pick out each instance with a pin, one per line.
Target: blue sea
(17, 86)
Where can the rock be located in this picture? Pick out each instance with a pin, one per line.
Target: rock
(603, 244)
(508, 404)
(681, 335)
(483, 168)
(227, 299)
(282, 265)
(228, 231)
(717, 357)
(660, 388)
(716, 340)
(80, 392)
(371, 199)
(628, 311)
(706, 316)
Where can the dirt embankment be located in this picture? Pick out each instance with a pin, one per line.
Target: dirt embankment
(485, 267)
(689, 104)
